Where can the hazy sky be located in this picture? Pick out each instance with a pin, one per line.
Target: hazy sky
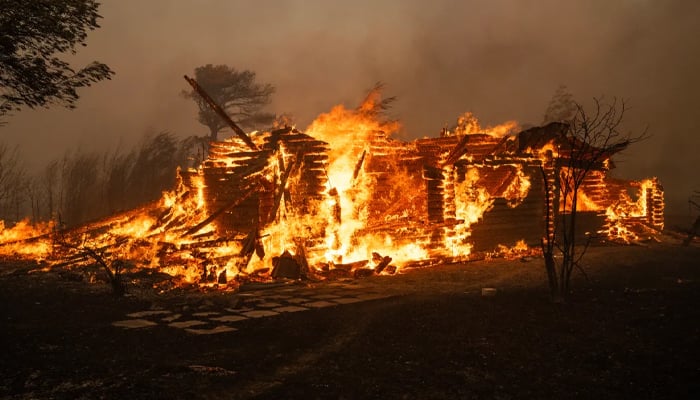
(501, 59)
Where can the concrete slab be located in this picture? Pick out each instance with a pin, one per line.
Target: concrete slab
(260, 313)
(268, 305)
(347, 300)
(186, 324)
(134, 323)
(229, 318)
(239, 310)
(171, 318)
(212, 331)
(325, 296)
(290, 309)
(372, 296)
(319, 304)
(298, 300)
(205, 314)
(148, 313)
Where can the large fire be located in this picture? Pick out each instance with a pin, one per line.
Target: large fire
(342, 196)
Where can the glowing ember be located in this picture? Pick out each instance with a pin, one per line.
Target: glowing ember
(628, 218)
(25, 239)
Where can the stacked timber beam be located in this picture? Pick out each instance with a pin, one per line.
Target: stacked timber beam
(308, 178)
(227, 176)
(655, 205)
(434, 152)
(290, 168)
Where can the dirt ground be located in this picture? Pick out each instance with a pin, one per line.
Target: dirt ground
(630, 330)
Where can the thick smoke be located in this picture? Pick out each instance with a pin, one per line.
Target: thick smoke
(501, 60)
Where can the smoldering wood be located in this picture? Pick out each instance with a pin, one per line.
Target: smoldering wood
(350, 266)
(358, 165)
(282, 187)
(458, 151)
(414, 189)
(218, 212)
(285, 266)
(383, 264)
(251, 245)
(362, 272)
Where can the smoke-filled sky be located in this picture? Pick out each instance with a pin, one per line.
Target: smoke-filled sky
(501, 59)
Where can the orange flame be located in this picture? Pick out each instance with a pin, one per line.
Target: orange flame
(362, 169)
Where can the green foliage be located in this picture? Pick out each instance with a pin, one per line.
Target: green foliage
(33, 34)
(237, 92)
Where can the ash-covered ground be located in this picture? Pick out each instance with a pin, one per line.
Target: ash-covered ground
(631, 329)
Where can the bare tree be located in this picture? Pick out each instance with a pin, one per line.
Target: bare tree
(589, 140)
(694, 230)
(154, 166)
(112, 265)
(80, 184)
(117, 167)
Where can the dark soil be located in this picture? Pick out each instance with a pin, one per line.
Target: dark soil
(631, 330)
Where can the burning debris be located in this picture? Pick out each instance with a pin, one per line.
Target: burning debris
(345, 199)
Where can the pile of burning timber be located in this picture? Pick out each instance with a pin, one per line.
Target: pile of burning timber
(344, 198)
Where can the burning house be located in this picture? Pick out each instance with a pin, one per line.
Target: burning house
(433, 198)
(345, 195)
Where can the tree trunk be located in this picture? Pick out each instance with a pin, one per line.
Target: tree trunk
(551, 268)
(213, 134)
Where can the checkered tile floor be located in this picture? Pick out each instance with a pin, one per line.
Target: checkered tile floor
(258, 304)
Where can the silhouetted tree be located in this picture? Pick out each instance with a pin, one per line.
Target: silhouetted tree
(694, 230)
(33, 34)
(13, 185)
(154, 168)
(118, 168)
(236, 92)
(49, 185)
(81, 188)
(587, 141)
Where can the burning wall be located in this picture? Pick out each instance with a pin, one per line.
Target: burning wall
(432, 198)
(345, 195)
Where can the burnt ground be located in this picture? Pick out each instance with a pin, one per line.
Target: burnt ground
(631, 330)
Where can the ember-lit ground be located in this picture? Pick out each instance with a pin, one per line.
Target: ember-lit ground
(632, 330)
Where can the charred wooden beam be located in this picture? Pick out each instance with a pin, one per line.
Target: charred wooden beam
(382, 264)
(358, 166)
(458, 151)
(251, 245)
(282, 186)
(351, 266)
(500, 146)
(220, 111)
